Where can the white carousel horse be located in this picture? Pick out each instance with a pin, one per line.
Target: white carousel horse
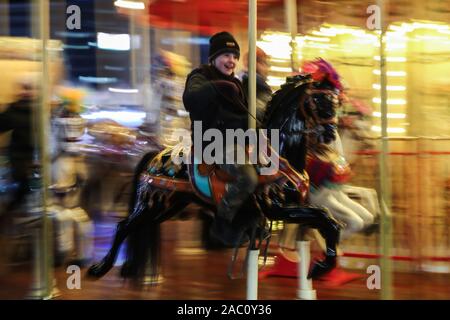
(335, 197)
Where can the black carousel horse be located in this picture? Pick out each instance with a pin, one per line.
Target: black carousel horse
(163, 189)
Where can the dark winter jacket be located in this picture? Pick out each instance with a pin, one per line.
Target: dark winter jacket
(217, 100)
(263, 94)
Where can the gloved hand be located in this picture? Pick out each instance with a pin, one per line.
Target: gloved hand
(227, 88)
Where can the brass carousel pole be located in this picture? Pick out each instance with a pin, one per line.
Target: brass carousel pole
(385, 194)
(252, 264)
(132, 31)
(252, 29)
(146, 53)
(305, 289)
(147, 91)
(43, 286)
(290, 9)
(4, 21)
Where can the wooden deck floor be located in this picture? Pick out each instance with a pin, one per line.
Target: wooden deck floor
(190, 272)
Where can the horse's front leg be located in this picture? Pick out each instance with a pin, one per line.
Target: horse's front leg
(320, 219)
(123, 229)
(330, 229)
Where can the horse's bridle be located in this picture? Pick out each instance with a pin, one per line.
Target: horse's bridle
(317, 127)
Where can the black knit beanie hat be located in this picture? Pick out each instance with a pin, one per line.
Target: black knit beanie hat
(222, 42)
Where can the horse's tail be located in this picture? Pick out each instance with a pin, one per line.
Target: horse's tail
(143, 250)
(144, 241)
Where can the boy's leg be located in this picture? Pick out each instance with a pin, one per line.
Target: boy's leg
(237, 191)
(236, 194)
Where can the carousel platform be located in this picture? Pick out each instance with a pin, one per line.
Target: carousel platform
(191, 272)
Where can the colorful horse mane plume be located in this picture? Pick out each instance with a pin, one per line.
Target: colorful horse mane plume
(321, 70)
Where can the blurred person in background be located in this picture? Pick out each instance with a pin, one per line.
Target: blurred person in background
(18, 117)
(169, 74)
(355, 129)
(263, 90)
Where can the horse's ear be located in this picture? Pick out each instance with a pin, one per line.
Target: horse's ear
(275, 102)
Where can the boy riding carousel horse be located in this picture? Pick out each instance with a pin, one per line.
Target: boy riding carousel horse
(214, 96)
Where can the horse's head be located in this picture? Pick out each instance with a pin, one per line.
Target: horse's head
(320, 106)
(324, 98)
(305, 108)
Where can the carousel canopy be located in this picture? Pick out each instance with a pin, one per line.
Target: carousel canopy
(200, 16)
(206, 17)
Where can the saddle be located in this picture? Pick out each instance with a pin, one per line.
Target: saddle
(208, 181)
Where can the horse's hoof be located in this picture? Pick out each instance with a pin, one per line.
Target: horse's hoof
(371, 229)
(98, 270)
(128, 270)
(321, 268)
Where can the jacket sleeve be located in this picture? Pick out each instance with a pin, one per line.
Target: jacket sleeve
(198, 93)
(6, 123)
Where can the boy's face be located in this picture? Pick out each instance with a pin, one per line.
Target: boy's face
(226, 63)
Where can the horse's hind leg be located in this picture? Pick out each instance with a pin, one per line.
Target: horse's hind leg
(123, 229)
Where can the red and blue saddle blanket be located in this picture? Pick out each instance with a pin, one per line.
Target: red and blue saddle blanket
(208, 181)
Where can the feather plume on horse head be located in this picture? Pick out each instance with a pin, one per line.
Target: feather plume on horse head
(321, 71)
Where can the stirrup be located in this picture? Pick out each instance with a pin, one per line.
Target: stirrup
(251, 246)
(234, 260)
(266, 248)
